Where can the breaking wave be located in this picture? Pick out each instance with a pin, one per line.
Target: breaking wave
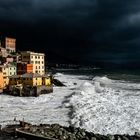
(107, 106)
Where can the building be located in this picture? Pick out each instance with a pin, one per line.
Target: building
(46, 80)
(30, 79)
(37, 59)
(23, 68)
(8, 59)
(1, 81)
(3, 52)
(7, 70)
(15, 80)
(9, 44)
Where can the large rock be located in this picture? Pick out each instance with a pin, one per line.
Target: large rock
(56, 82)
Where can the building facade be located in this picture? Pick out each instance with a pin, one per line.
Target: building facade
(23, 68)
(37, 59)
(30, 79)
(3, 52)
(9, 44)
(7, 70)
(1, 81)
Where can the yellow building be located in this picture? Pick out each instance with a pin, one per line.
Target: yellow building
(7, 70)
(37, 59)
(31, 79)
(46, 80)
(1, 81)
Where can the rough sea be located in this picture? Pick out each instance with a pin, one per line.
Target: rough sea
(101, 101)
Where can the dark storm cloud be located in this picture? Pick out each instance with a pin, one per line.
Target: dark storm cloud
(92, 30)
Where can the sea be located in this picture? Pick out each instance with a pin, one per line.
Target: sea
(116, 74)
(98, 100)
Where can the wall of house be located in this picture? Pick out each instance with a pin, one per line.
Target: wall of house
(25, 57)
(46, 81)
(12, 81)
(27, 81)
(12, 70)
(10, 44)
(29, 68)
(37, 59)
(9, 59)
(23, 68)
(5, 75)
(37, 81)
(1, 81)
(3, 52)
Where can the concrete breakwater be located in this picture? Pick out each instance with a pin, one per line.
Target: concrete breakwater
(57, 132)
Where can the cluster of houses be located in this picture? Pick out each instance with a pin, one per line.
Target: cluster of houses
(21, 68)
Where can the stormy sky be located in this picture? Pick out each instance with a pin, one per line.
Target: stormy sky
(97, 32)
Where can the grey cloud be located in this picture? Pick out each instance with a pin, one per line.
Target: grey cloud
(104, 27)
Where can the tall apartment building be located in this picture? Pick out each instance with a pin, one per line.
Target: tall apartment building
(9, 44)
(7, 70)
(37, 59)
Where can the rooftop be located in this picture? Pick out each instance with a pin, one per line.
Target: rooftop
(31, 75)
(33, 53)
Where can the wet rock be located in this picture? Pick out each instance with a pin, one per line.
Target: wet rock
(93, 138)
(110, 137)
(56, 82)
(69, 133)
(118, 138)
(125, 138)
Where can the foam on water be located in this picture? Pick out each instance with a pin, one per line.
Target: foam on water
(105, 108)
(47, 108)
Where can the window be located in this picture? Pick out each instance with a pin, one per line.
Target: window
(42, 62)
(38, 62)
(4, 73)
(10, 73)
(38, 57)
(42, 67)
(35, 57)
(36, 67)
(39, 67)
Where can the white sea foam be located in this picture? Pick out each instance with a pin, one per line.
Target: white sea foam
(47, 108)
(105, 109)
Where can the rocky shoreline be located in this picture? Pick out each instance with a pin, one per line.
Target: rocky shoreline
(56, 132)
